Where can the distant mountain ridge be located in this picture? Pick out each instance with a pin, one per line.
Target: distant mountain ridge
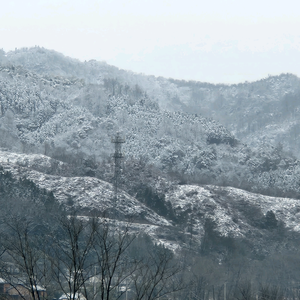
(187, 158)
(265, 111)
(73, 119)
(210, 172)
(267, 108)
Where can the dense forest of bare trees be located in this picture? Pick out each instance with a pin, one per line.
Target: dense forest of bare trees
(94, 257)
(52, 253)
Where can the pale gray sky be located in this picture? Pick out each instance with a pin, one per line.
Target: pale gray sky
(214, 41)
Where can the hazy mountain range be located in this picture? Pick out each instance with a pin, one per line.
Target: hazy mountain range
(195, 152)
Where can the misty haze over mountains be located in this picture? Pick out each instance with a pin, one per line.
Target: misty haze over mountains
(243, 135)
(210, 167)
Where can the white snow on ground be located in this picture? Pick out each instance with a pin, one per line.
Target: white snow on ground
(221, 208)
(25, 160)
(199, 199)
(195, 203)
(81, 192)
(285, 209)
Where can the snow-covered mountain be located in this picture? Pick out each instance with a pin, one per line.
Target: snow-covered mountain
(191, 151)
(231, 214)
(82, 193)
(260, 112)
(73, 119)
(235, 214)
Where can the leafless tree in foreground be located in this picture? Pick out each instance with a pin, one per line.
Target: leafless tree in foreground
(156, 275)
(86, 257)
(113, 264)
(71, 254)
(23, 245)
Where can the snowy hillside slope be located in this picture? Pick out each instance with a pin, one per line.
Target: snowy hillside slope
(37, 162)
(260, 112)
(227, 219)
(73, 119)
(237, 214)
(228, 208)
(61, 117)
(86, 194)
(264, 111)
(48, 62)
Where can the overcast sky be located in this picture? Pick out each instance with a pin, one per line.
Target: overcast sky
(226, 41)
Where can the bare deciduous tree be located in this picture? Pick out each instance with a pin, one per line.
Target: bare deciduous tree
(92, 257)
(113, 264)
(156, 275)
(22, 243)
(70, 254)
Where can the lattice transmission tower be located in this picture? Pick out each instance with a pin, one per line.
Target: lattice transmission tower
(118, 156)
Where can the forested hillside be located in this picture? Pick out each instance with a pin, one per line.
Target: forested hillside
(267, 108)
(69, 110)
(195, 237)
(207, 200)
(261, 112)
